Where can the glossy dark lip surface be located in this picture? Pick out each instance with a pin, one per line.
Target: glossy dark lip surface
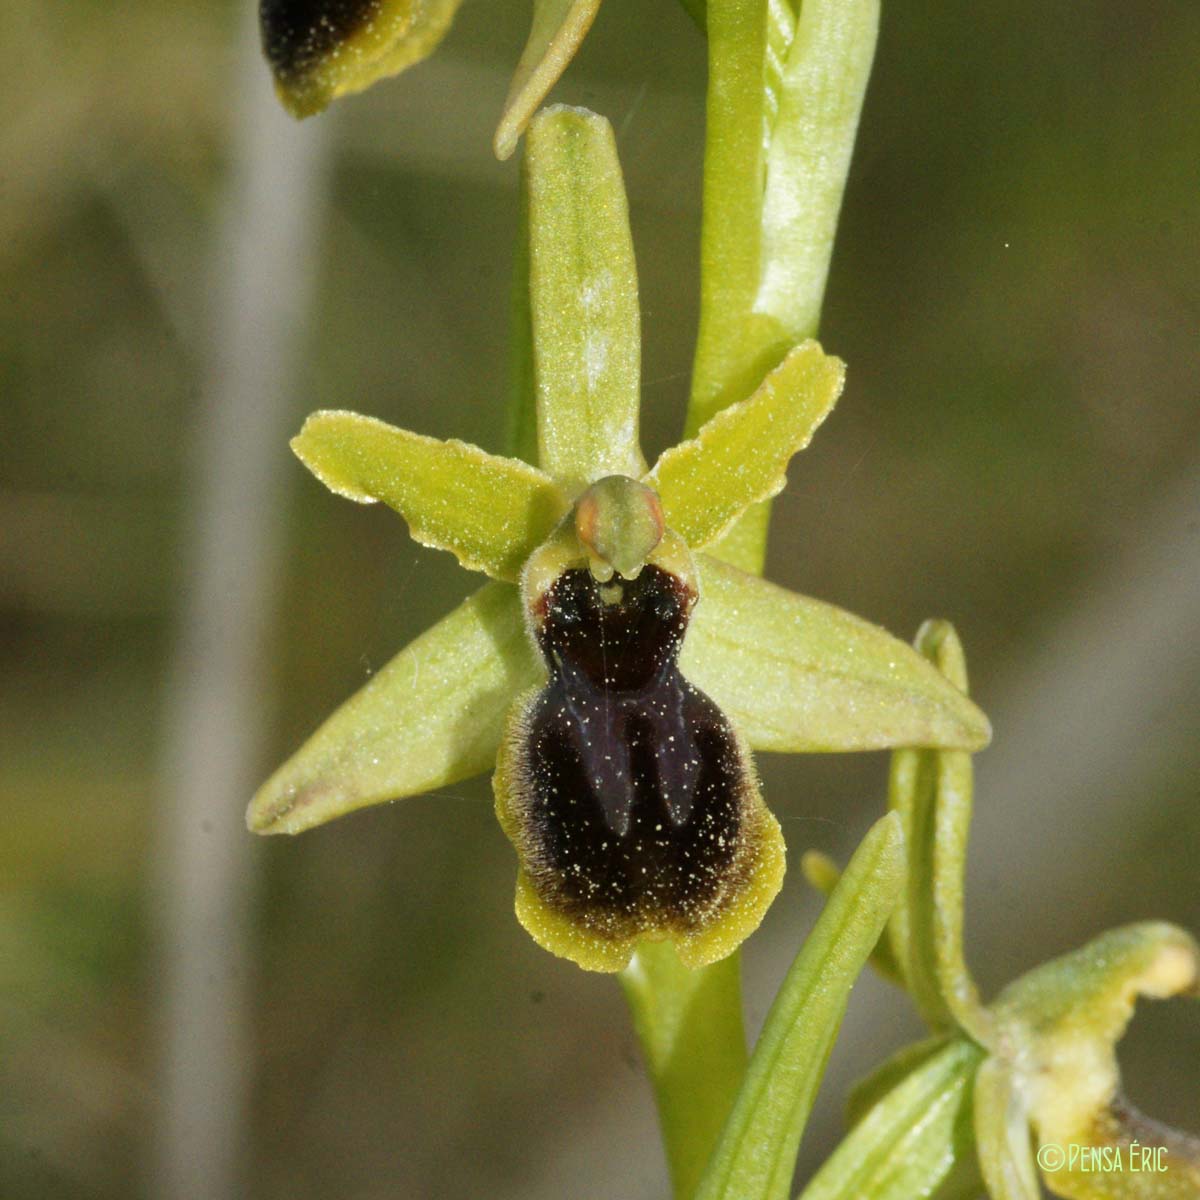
(298, 34)
(635, 782)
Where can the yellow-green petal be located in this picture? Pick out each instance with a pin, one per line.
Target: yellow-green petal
(583, 300)
(796, 675)
(559, 27)
(741, 455)
(431, 717)
(322, 49)
(490, 512)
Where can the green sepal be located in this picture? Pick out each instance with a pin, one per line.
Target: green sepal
(797, 675)
(1002, 1134)
(490, 512)
(741, 455)
(583, 300)
(910, 1140)
(431, 717)
(558, 30)
(756, 1155)
(521, 431)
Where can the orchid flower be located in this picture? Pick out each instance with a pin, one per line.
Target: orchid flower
(615, 671)
(1027, 1085)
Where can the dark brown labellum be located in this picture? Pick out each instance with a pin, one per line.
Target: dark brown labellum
(298, 34)
(636, 806)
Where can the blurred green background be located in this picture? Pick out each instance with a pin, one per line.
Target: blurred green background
(1016, 291)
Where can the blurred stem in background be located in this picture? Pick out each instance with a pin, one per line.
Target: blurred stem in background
(262, 267)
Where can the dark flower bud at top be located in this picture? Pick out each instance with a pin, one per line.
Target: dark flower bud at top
(322, 49)
(630, 798)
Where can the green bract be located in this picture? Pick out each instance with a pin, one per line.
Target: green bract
(1037, 1066)
(783, 672)
(756, 1155)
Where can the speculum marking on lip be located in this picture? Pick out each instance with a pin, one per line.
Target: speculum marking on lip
(299, 34)
(634, 789)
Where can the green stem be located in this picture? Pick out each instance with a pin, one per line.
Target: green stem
(521, 433)
(727, 350)
(782, 112)
(689, 1023)
(784, 98)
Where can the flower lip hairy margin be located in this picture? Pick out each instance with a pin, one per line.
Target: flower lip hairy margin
(629, 796)
(320, 50)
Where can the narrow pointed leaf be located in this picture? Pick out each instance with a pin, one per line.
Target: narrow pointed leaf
(689, 1024)
(911, 1140)
(741, 455)
(322, 49)
(782, 112)
(756, 1156)
(559, 27)
(823, 874)
(890, 1073)
(794, 674)
(932, 791)
(1002, 1135)
(583, 300)
(490, 512)
(431, 717)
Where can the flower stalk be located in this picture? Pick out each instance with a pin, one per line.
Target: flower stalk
(626, 658)
(771, 115)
